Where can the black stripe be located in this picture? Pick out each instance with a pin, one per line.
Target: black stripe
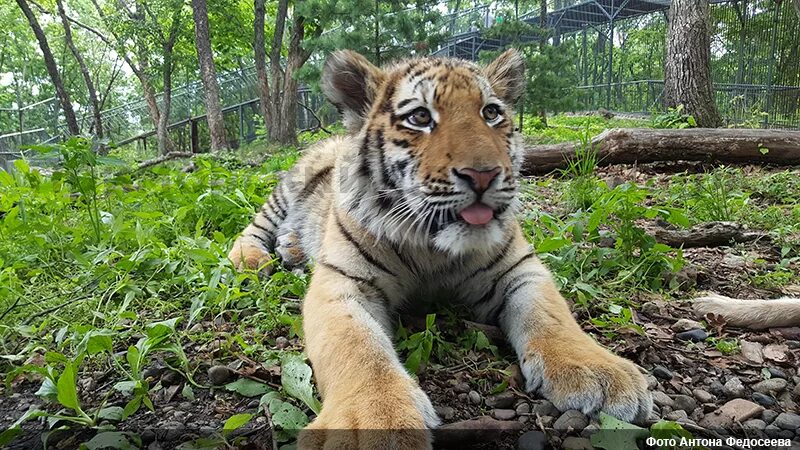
(500, 256)
(380, 142)
(401, 143)
(510, 292)
(360, 280)
(264, 214)
(279, 212)
(262, 228)
(263, 240)
(364, 254)
(278, 193)
(404, 102)
(514, 266)
(314, 182)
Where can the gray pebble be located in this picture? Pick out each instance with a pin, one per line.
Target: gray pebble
(523, 408)
(696, 335)
(503, 400)
(770, 386)
(547, 421)
(778, 433)
(734, 388)
(532, 440)
(462, 388)
(769, 415)
(219, 375)
(573, 419)
(703, 396)
(661, 399)
(684, 402)
(777, 373)
(281, 342)
(763, 399)
(576, 443)
(445, 412)
(474, 398)
(716, 388)
(662, 372)
(545, 408)
(677, 415)
(755, 424)
(787, 421)
(503, 414)
(652, 381)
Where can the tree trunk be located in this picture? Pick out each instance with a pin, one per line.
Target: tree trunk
(261, 62)
(687, 70)
(216, 123)
(52, 68)
(87, 77)
(644, 145)
(287, 125)
(276, 72)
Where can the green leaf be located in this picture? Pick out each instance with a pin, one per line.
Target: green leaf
(132, 406)
(481, 341)
(187, 392)
(98, 343)
(414, 360)
(235, 422)
(133, 357)
(126, 387)
(10, 433)
(203, 444)
(552, 244)
(48, 389)
(67, 391)
(113, 413)
(108, 439)
(296, 381)
(615, 434)
(248, 388)
(288, 416)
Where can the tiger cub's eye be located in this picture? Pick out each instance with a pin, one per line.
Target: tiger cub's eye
(490, 112)
(420, 117)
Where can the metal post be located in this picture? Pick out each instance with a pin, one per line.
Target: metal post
(194, 136)
(610, 55)
(241, 123)
(773, 43)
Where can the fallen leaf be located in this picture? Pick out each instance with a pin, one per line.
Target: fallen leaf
(777, 352)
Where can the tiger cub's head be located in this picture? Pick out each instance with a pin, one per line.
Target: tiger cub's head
(439, 156)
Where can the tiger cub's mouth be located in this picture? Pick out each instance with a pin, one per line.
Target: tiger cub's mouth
(477, 214)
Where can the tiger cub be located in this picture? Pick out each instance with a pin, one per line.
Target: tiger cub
(421, 197)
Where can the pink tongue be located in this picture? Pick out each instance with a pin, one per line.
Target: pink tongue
(477, 214)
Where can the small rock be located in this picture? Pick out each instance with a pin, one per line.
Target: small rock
(752, 351)
(793, 344)
(703, 396)
(577, 443)
(773, 385)
(196, 328)
(547, 421)
(532, 440)
(677, 415)
(503, 400)
(763, 399)
(474, 398)
(219, 375)
(523, 408)
(148, 436)
(787, 421)
(777, 373)
(661, 399)
(769, 415)
(716, 388)
(754, 424)
(716, 420)
(734, 388)
(544, 408)
(590, 430)
(281, 342)
(684, 402)
(662, 372)
(778, 433)
(696, 335)
(796, 391)
(445, 412)
(571, 419)
(462, 388)
(777, 352)
(504, 414)
(740, 409)
(652, 381)
(686, 325)
(463, 398)
(649, 308)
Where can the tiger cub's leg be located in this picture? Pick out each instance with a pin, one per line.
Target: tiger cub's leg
(251, 250)
(557, 358)
(369, 401)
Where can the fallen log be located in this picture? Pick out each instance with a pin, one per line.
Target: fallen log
(710, 234)
(480, 430)
(646, 145)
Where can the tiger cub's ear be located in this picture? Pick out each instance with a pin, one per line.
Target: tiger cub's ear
(506, 74)
(351, 83)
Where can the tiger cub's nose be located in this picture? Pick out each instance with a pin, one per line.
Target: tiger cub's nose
(478, 180)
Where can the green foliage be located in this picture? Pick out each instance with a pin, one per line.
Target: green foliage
(673, 118)
(421, 345)
(615, 434)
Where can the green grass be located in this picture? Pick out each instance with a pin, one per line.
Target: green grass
(103, 268)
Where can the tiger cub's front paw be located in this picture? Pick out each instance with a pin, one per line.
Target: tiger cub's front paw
(588, 378)
(248, 255)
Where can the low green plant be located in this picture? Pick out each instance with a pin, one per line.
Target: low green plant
(673, 118)
(421, 345)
